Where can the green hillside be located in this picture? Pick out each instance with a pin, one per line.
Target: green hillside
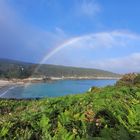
(109, 113)
(17, 69)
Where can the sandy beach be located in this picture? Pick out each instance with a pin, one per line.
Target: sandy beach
(4, 83)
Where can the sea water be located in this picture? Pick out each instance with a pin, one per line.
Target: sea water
(53, 88)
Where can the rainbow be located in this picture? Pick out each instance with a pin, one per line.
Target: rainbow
(63, 45)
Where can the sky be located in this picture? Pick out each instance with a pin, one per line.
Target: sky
(102, 34)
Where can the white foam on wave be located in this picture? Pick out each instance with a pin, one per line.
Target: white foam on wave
(7, 91)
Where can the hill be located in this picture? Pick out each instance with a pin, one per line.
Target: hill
(18, 69)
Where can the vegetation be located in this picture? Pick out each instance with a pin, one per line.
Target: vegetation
(109, 113)
(14, 69)
(17, 69)
(128, 79)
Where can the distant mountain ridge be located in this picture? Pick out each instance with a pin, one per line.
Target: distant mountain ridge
(18, 69)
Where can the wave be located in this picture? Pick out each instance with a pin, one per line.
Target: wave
(10, 88)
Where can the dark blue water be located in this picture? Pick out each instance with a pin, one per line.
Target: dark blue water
(53, 89)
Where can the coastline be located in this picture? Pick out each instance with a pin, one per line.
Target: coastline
(5, 82)
(85, 78)
(6, 85)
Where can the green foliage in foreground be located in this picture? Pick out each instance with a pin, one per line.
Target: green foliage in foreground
(110, 113)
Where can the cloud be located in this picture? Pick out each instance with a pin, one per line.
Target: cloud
(110, 39)
(125, 64)
(113, 51)
(20, 40)
(130, 63)
(116, 50)
(88, 8)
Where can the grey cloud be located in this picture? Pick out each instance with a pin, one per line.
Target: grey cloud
(130, 63)
(19, 40)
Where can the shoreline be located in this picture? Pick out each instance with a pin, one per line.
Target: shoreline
(85, 78)
(5, 82)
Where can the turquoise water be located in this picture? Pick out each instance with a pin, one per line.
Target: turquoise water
(53, 89)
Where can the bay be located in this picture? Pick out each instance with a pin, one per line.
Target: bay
(54, 88)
